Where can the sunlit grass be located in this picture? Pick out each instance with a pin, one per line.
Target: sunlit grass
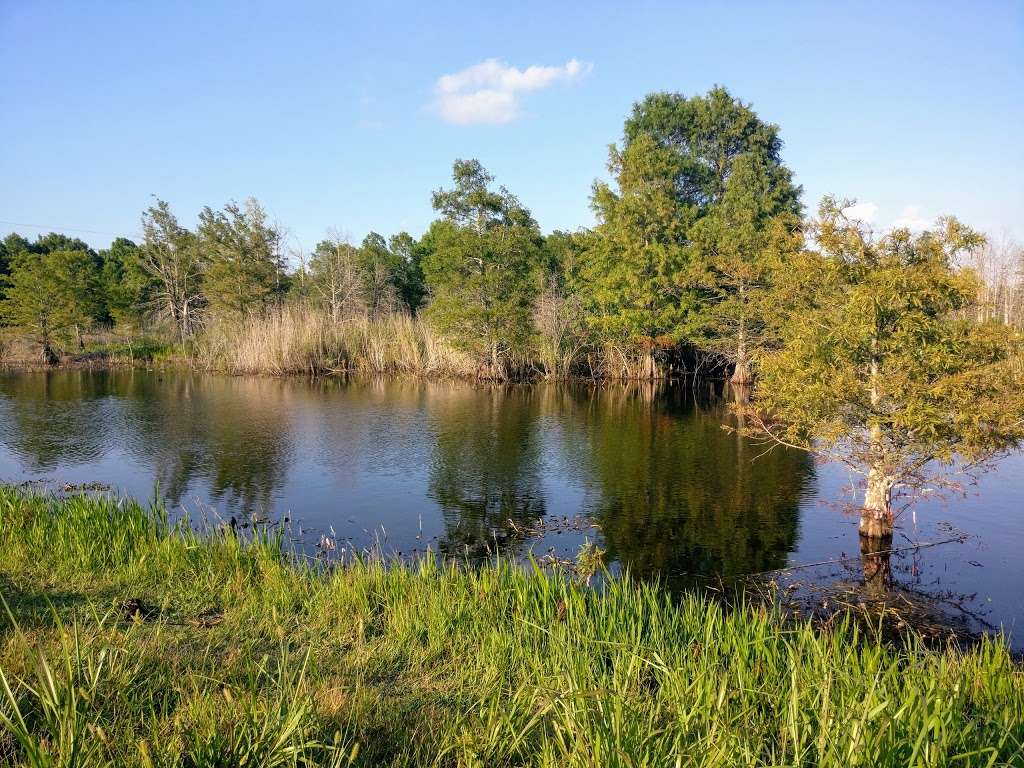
(251, 659)
(299, 339)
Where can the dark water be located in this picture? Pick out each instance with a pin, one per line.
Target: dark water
(648, 474)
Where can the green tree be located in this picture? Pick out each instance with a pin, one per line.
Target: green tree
(170, 257)
(706, 135)
(10, 247)
(740, 249)
(659, 276)
(410, 253)
(244, 266)
(381, 273)
(49, 293)
(635, 271)
(126, 285)
(481, 268)
(882, 371)
(55, 241)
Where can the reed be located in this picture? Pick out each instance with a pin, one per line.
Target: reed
(246, 656)
(299, 339)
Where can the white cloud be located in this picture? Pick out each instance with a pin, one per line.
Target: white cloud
(865, 212)
(489, 92)
(912, 218)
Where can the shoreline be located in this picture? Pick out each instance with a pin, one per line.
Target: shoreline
(210, 636)
(183, 364)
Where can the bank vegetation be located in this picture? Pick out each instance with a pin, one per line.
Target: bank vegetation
(131, 641)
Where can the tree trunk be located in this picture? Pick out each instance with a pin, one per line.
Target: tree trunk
(78, 336)
(494, 361)
(876, 516)
(49, 356)
(741, 372)
(875, 557)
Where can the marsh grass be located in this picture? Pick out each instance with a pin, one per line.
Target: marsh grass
(432, 664)
(298, 339)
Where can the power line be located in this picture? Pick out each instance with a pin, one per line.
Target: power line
(52, 228)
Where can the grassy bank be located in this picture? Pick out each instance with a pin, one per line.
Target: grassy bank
(101, 349)
(130, 642)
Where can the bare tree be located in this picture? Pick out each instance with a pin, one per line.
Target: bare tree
(1000, 267)
(559, 320)
(169, 254)
(335, 279)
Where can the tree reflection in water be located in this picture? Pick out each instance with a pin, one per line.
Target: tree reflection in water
(676, 495)
(230, 433)
(486, 470)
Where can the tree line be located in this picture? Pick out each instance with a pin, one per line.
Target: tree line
(876, 349)
(689, 266)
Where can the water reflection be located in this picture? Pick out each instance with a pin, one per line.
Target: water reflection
(231, 433)
(465, 469)
(486, 470)
(677, 495)
(55, 417)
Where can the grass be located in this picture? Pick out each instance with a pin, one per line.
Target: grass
(102, 348)
(133, 642)
(299, 339)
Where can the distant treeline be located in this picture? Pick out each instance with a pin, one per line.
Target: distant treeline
(690, 265)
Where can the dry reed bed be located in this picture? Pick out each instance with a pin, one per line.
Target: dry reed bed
(301, 340)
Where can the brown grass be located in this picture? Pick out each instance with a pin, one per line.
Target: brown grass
(299, 339)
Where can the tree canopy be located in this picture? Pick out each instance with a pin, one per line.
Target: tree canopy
(882, 369)
(481, 269)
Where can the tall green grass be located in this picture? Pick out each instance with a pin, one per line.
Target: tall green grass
(248, 658)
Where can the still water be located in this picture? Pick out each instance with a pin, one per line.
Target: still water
(648, 474)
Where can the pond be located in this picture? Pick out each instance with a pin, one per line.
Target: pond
(647, 473)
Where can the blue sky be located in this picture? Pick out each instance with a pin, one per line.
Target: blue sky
(335, 115)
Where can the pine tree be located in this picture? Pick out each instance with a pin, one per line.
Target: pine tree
(481, 268)
(243, 264)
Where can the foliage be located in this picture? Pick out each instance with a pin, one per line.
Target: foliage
(705, 135)
(170, 257)
(635, 269)
(409, 252)
(741, 248)
(245, 658)
(10, 247)
(127, 287)
(481, 267)
(243, 266)
(683, 249)
(880, 370)
(382, 275)
(694, 265)
(50, 292)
